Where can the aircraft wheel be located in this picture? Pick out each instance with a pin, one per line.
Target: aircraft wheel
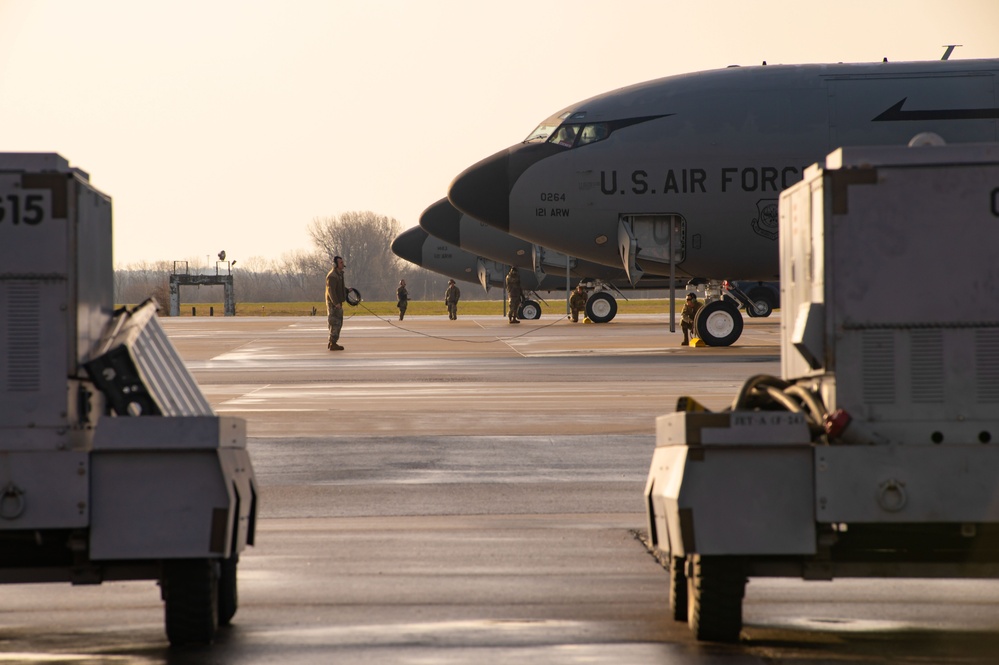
(601, 307)
(677, 589)
(761, 305)
(530, 311)
(718, 323)
(191, 595)
(228, 596)
(714, 598)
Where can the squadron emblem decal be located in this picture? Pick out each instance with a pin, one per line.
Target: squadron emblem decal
(765, 223)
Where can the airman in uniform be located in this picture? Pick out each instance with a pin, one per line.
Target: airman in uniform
(577, 303)
(403, 295)
(687, 317)
(515, 292)
(451, 298)
(336, 294)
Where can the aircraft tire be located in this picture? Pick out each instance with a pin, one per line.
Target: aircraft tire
(601, 307)
(677, 589)
(719, 323)
(191, 595)
(714, 598)
(529, 311)
(764, 305)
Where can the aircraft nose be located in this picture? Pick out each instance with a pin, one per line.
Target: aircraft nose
(483, 190)
(442, 220)
(408, 245)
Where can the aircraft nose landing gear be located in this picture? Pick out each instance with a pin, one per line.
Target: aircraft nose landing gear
(601, 307)
(529, 311)
(719, 321)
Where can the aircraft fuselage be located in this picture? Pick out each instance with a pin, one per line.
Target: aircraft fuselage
(689, 168)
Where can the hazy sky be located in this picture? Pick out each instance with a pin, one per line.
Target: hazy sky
(231, 124)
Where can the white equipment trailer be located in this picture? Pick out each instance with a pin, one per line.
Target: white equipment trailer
(113, 466)
(876, 453)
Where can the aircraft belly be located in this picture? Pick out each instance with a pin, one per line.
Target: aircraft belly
(719, 243)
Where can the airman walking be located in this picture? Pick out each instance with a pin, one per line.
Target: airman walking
(403, 295)
(451, 298)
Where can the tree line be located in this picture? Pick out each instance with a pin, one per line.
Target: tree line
(363, 239)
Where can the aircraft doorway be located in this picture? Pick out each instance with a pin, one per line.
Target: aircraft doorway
(645, 243)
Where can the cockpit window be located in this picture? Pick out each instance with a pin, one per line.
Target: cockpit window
(565, 135)
(569, 136)
(559, 131)
(593, 133)
(545, 129)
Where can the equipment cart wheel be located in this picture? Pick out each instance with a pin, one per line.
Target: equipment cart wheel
(191, 594)
(715, 588)
(678, 589)
(719, 323)
(228, 596)
(530, 311)
(601, 307)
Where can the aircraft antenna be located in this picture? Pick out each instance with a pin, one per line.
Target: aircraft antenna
(950, 49)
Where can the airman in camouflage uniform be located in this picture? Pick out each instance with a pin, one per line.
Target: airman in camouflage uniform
(515, 292)
(451, 298)
(336, 293)
(687, 317)
(403, 295)
(577, 303)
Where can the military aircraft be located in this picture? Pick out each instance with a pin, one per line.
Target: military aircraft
(419, 247)
(681, 175)
(552, 269)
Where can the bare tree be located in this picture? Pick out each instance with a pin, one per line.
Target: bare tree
(364, 240)
(138, 281)
(305, 273)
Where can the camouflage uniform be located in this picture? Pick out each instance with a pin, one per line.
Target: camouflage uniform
(451, 297)
(336, 293)
(577, 303)
(515, 292)
(687, 318)
(403, 295)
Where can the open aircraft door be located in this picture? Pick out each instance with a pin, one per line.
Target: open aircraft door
(483, 273)
(648, 239)
(548, 262)
(627, 246)
(538, 261)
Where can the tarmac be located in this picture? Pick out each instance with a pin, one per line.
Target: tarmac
(471, 491)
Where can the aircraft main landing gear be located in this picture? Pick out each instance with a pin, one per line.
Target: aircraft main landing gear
(760, 303)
